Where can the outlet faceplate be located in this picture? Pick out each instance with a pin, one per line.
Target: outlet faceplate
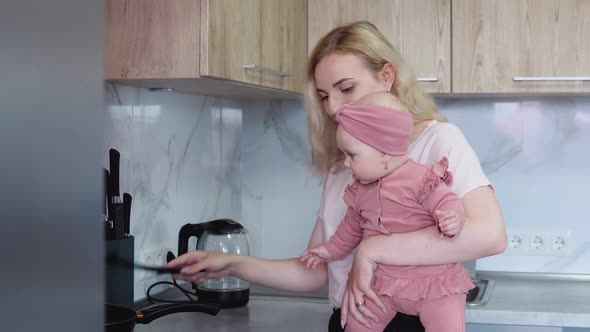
(560, 243)
(539, 242)
(516, 241)
(152, 257)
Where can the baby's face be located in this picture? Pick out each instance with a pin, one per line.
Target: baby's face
(366, 163)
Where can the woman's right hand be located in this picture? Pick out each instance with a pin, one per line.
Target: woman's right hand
(358, 288)
(196, 266)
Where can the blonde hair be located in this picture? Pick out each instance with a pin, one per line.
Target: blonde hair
(364, 40)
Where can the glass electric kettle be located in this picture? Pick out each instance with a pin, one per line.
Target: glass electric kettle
(227, 236)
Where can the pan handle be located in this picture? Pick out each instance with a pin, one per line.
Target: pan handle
(148, 314)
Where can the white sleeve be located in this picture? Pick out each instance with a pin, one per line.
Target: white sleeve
(463, 162)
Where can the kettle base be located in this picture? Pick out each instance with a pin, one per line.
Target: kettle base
(226, 299)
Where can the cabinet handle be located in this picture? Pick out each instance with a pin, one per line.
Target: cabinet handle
(550, 78)
(427, 79)
(268, 70)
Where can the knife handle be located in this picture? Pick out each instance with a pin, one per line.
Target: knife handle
(118, 221)
(127, 212)
(114, 158)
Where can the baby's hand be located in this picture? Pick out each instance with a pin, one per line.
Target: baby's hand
(313, 256)
(448, 222)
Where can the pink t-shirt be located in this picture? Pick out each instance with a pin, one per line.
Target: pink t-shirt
(436, 141)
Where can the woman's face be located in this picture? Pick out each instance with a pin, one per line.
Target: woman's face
(344, 79)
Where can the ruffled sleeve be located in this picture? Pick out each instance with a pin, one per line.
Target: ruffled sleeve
(433, 176)
(350, 195)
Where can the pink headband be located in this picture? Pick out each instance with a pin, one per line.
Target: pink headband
(385, 129)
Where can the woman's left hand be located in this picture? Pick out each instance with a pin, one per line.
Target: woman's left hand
(358, 290)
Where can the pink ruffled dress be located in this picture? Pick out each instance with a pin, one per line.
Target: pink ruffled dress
(403, 201)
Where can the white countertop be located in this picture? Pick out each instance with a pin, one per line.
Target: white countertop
(262, 314)
(517, 299)
(535, 299)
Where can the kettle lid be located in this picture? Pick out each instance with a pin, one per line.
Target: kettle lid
(222, 226)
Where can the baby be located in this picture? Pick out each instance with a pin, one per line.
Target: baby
(391, 193)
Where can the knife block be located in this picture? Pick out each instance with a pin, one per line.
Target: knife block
(119, 279)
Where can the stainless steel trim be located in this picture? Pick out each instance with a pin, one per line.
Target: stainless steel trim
(161, 89)
(266, 69)
(486, 292)
(531, 276)
(283, 298)
(550, 78)
(427, 79)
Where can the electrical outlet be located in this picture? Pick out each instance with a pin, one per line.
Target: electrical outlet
(537, 242)
(560, 243)
(517, 241)
(161, 256)
(159, 260)
(146, 257)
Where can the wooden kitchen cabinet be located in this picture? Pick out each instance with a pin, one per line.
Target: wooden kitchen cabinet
(268, 35)
(521, 46)
(233, 48)
(419, 29)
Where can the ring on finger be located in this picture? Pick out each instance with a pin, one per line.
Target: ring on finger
(359, 304)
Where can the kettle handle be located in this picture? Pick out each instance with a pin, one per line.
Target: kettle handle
(186, 232)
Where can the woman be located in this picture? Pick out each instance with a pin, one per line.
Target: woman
(347, 64)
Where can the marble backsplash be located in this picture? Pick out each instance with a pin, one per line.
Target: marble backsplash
(189, 158)
(535, 153)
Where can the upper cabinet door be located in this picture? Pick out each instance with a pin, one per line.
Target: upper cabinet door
(152, 39)
(419, 29)
(524, 46)
(261, 42)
